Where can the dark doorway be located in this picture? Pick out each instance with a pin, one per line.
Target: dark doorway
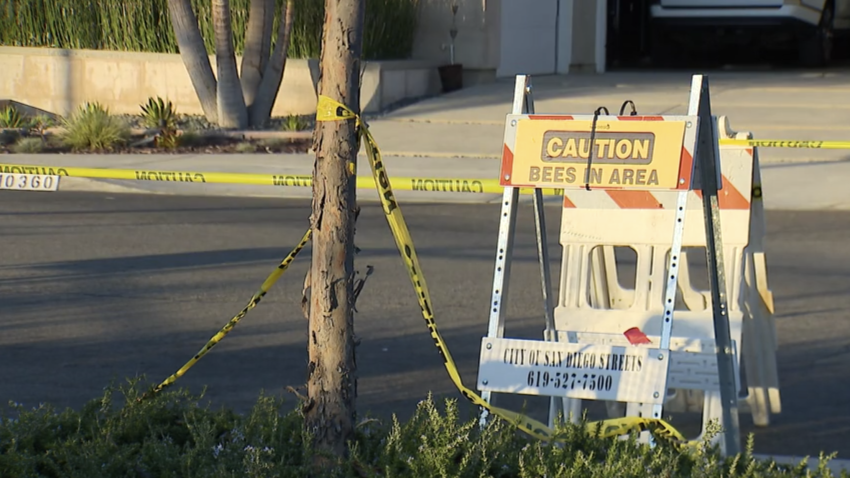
(627, 44)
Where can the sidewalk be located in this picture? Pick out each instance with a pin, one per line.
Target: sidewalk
(771, 105)
(459, 135)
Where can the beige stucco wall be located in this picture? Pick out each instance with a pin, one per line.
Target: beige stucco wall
(59, 80)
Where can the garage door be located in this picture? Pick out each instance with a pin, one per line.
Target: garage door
(528, 37)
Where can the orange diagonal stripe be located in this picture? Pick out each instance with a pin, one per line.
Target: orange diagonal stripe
(634, 199)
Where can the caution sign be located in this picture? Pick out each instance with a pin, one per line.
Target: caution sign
(615, 154)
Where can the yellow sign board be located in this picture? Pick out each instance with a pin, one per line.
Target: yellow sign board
(553, 153)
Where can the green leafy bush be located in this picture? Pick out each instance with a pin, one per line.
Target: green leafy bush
(145, 25)
(10, 117)
(246, 147)
(92, 127)
(29, 146)
(40, 124)
(173, 435)
(161, 115)
(295, 123)
(8, 137)
(189, 139)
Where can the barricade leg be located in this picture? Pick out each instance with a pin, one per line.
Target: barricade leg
(761, 296)
(693, 299)
(760, 352)
(607, 293)
(768, 331)
(682, 400)
(578, 257)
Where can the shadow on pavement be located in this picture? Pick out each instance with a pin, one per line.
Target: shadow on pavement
(113, 299)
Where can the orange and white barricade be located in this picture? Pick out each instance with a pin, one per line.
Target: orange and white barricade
(756, 300)
(759, 331)
(656, 185)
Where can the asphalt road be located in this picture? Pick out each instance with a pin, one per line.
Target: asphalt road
(95, 287)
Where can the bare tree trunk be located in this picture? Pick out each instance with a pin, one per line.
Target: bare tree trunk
(257, 47)
(232, 112)
(332, 370)
(260, 111)
(194, 55)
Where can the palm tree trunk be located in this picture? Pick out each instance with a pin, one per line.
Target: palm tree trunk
(231, 104)
(268, 29)
(194, 55)
(261, 109)
(257, 47)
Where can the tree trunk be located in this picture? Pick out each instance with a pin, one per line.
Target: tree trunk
(260, 111)
(194, 55)
(257, 46)
(332, 370)
(232, 112)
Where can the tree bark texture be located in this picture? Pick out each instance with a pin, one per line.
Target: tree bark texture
(231, 104)
(329, 413)
(257, 46)
(260, 111)
(194, 55)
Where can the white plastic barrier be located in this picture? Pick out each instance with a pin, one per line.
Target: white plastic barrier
(756, 300)
(633, 181)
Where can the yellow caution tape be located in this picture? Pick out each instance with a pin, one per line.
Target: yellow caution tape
(264, 288)
(157, 175)
(424, 184)
(784, 143)
(330, 110)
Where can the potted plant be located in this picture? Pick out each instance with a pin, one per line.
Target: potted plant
(451, 75)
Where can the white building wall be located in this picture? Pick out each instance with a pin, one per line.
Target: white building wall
(501, 38)
(528, 37)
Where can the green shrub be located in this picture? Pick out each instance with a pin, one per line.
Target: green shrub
(246, 147)
(145, 25)
(92, 127)
(390, 29)
(274, 143)
(173, 435)
(8, 137)
(295, 123)
(161, 115)
(10, 117)
(40, 123)
(189, 139)
(29, 146)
